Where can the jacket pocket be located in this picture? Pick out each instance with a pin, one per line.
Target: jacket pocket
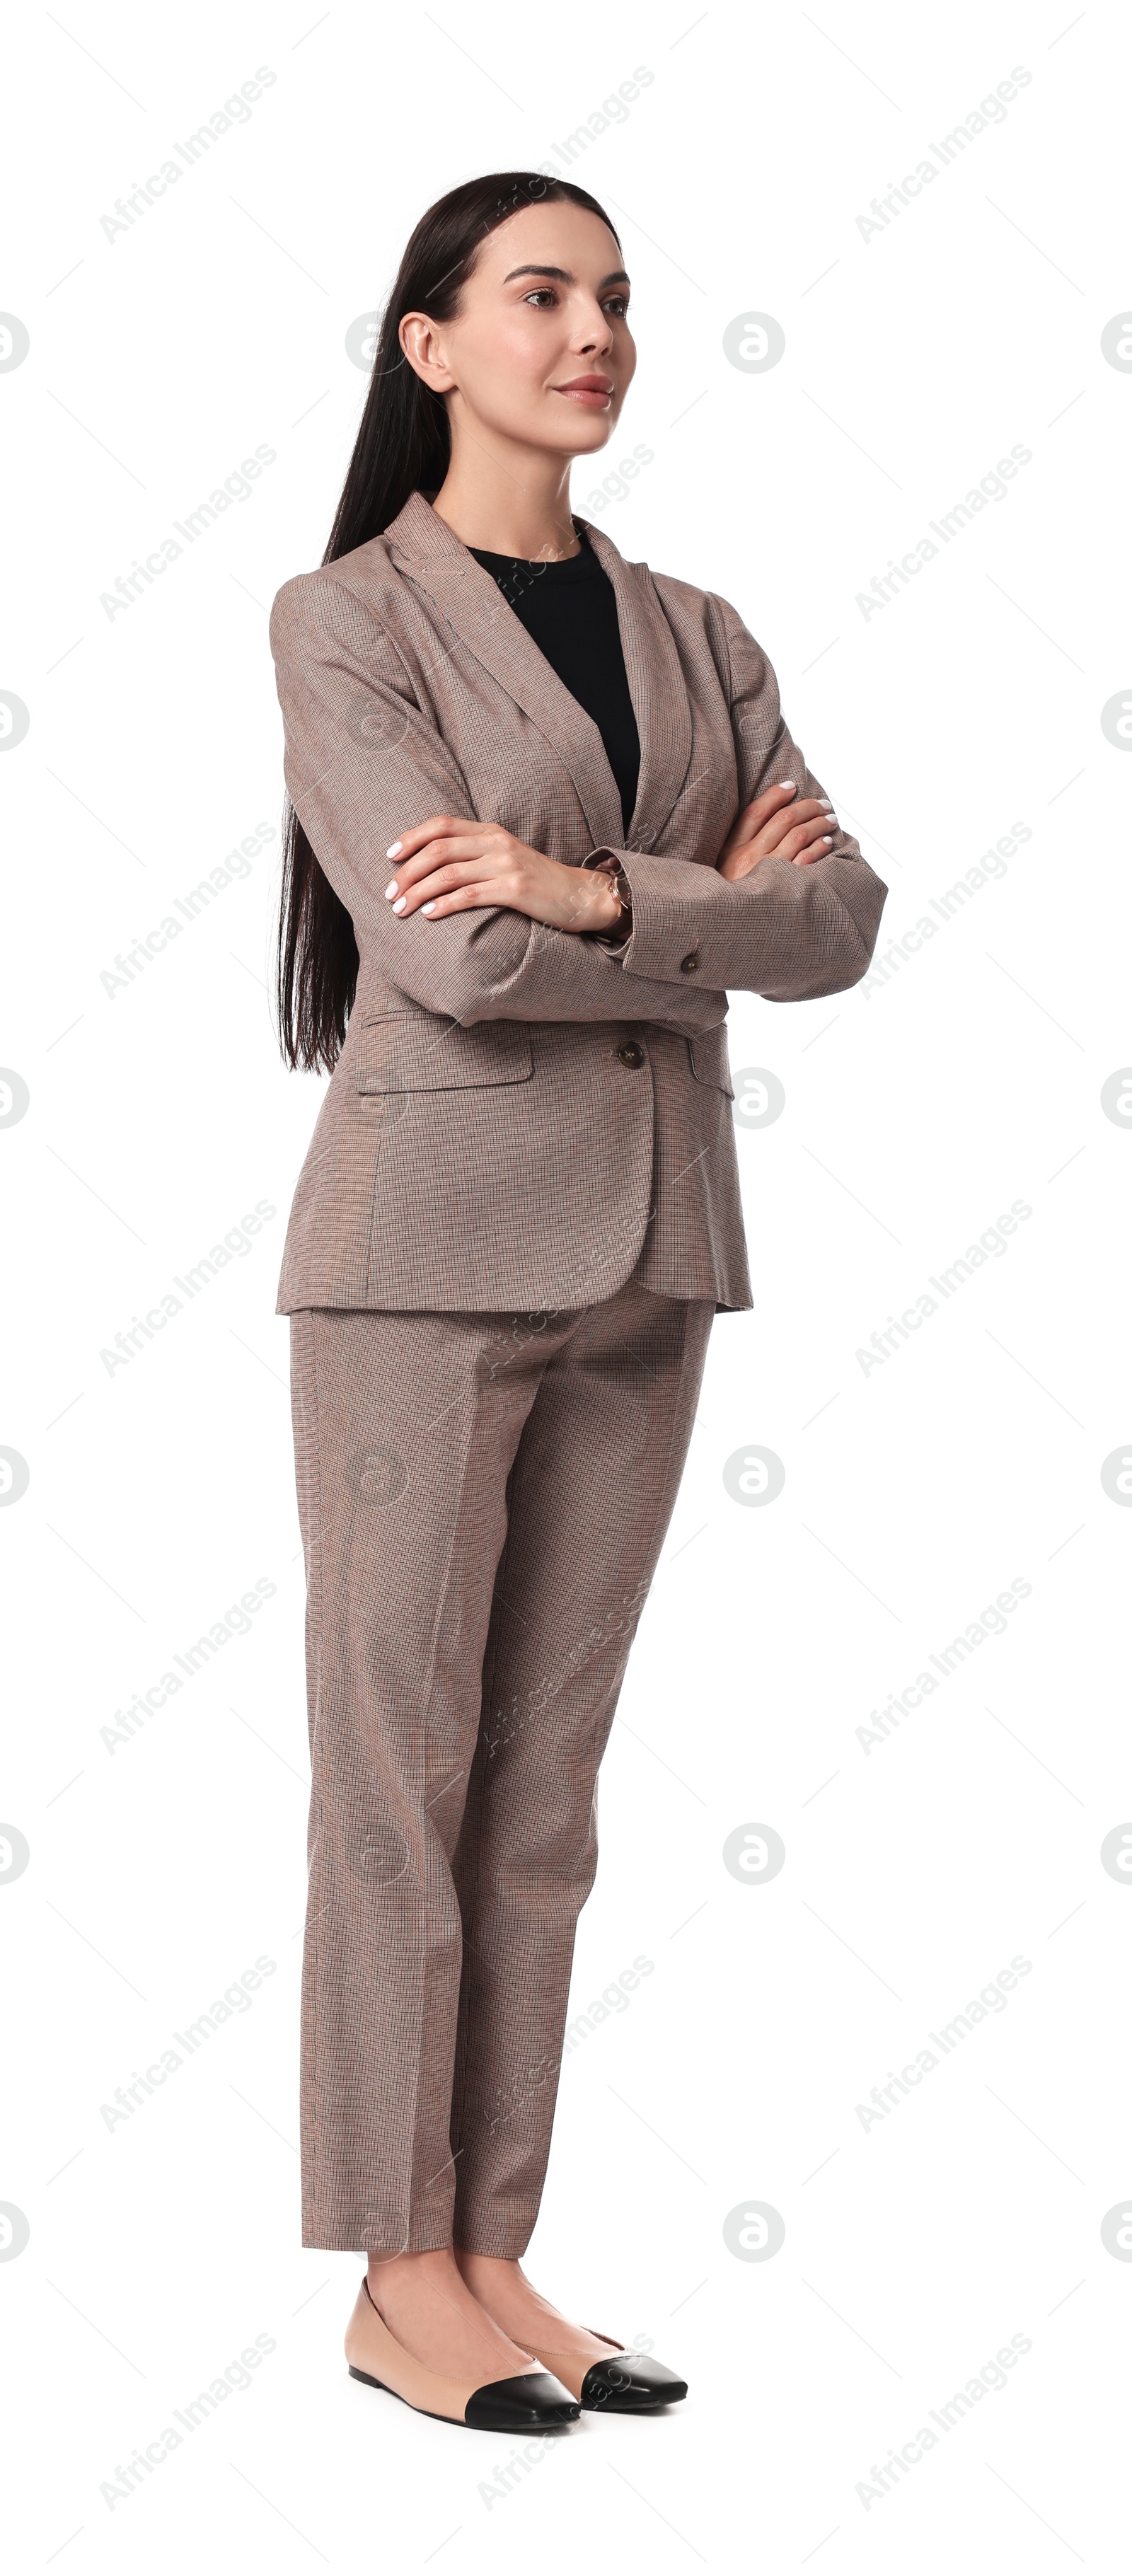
(414, 1052)
(709, 1059)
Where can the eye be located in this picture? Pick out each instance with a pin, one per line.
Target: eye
(620, 305)
(541, 295)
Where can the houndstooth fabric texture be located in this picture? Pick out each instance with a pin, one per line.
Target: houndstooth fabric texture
(483, 1499)
(515, 1104)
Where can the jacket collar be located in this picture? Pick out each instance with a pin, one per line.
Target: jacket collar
(428, 553)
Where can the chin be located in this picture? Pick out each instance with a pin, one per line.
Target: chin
(589, 433)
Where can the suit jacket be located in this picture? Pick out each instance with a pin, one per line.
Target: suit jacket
(520, 1114)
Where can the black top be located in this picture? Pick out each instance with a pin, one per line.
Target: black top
(570, 611)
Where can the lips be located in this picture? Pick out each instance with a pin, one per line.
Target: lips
(592, 391)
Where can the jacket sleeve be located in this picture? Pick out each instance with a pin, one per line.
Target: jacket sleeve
(789, 933)
(363, 763)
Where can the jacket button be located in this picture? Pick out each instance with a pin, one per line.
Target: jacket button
(689, 963)
(631, 1054)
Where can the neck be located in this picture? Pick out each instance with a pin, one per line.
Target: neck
(507, 499)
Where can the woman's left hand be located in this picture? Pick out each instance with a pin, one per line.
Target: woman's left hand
(778, 824)
(450, 865)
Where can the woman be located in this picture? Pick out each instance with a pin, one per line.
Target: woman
(545, 812)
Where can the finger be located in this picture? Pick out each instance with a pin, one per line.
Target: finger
(408, 842)
(809, 841)
(771, 801)
(817, 827)
(434, 854)
(466, 898)
(811, 811)
(435, 880)
(762, 808)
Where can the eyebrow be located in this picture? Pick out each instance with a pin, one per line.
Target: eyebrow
(616, 277)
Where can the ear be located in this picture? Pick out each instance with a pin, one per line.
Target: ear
(420, 339)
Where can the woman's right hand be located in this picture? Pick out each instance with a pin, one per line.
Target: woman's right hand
(777, 825)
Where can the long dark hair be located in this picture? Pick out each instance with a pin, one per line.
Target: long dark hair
(402, 446)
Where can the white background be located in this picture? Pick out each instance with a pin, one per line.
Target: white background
(916, 1867)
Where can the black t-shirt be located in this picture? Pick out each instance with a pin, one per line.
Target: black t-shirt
(570, 611)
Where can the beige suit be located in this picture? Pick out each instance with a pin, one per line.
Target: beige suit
(518, 1216)
(482, 1143)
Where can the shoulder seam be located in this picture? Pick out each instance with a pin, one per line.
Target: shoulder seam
(368, 610)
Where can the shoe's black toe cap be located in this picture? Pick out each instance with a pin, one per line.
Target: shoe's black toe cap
(630, 2383)
(534, 2402)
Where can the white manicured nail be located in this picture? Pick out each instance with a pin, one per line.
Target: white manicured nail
(391, 889)
(827, 840)
(392, 850)
(428, 907)
(399, 906)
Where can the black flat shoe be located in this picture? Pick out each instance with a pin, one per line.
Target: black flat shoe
(625, 2383)
(533, 2402)
(530, 2402)
(630, 2384)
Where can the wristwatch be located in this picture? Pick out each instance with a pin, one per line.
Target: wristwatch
(611, 867)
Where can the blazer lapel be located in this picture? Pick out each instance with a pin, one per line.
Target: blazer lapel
(470, 603)
(426, 550)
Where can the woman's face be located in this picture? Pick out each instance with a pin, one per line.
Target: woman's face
(540, 351)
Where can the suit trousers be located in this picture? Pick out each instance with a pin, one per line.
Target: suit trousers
(483, 1499)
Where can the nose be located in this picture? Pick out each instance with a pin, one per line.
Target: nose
(595, 334)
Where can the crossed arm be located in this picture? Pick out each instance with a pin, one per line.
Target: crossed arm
(449, 864)
(784, 912)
